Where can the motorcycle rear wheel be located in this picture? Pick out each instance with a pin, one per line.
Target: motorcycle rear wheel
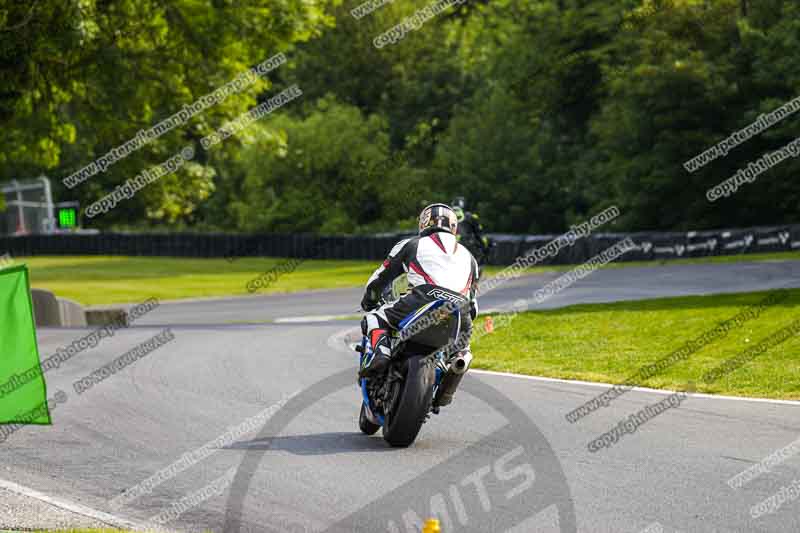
(410, 410)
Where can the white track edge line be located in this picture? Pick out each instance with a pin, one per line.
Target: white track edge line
(334, 343)
(310, 318)
(77, 508)
(638, 389)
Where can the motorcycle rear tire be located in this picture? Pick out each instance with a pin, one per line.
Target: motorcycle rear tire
(410, 410)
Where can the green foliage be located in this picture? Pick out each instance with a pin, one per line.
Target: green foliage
(84, 76)
(684, 79)
(541, 113)
(319, 180)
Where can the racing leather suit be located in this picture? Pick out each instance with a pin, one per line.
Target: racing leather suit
(438, 267)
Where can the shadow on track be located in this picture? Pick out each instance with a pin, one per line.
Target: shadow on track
(316, 444)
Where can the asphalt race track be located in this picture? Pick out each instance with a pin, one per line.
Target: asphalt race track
(608, 285)
(501, 458)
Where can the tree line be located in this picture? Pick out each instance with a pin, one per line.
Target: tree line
(540, 113)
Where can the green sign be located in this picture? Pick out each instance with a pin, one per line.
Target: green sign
(22, 386)
(67, 217)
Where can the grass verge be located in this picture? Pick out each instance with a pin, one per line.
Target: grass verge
(610, 342)
(93, 280)
(101, 279)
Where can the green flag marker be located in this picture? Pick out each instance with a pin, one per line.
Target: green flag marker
(23, 393)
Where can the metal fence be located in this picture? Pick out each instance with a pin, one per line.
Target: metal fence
(649, 245)
(29, 207)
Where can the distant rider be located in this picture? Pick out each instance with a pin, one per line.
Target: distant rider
(438, 267)
(470, 232)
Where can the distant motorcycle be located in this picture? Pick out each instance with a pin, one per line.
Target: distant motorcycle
(419, 380)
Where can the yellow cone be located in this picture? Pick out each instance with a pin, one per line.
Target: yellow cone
(431, 526)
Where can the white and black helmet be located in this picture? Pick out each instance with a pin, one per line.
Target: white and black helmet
(438, 216)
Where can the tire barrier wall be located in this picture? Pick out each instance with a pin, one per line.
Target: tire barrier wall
(650, 246)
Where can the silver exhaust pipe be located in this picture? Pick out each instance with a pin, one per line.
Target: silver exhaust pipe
(460, 363)
(458, 367)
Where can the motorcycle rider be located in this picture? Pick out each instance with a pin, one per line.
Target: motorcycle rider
(438, 267)
(470, 232)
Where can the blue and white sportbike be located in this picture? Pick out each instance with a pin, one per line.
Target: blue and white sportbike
(421, 378)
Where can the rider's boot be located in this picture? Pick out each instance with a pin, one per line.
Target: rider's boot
(377, 331)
